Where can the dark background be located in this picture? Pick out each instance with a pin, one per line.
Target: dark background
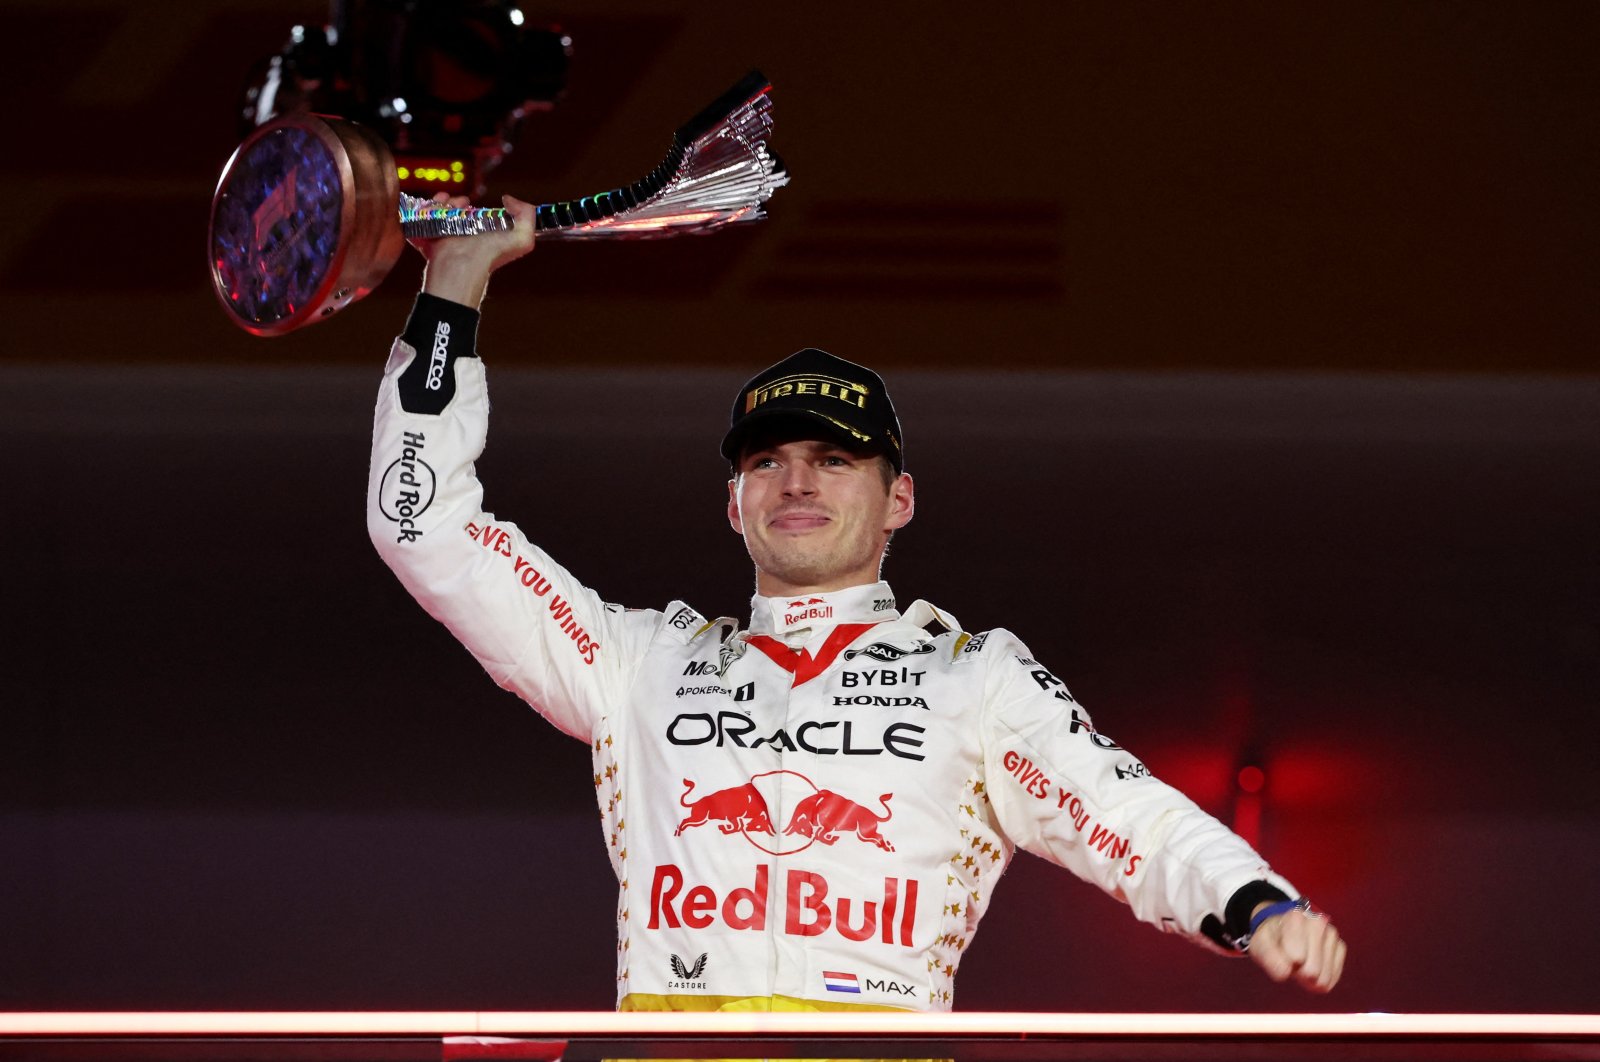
(1247, 360)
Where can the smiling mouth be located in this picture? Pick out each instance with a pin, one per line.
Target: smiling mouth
(802, 520)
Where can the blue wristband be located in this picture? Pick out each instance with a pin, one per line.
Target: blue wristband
(1273, 910)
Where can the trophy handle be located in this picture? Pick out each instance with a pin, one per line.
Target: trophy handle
(718, 171)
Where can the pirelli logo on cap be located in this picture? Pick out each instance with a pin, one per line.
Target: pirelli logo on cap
(846, 391)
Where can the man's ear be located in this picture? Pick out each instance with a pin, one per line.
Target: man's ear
(902, 502)
(733, 507)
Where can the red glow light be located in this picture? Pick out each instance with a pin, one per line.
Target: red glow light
(1460, 1028)
(1251, 779)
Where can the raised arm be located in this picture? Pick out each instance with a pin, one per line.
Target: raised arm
(530, 623)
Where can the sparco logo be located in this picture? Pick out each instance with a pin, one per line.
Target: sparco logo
(687, 974)
(407, 488)
(885, 652)
(820, 816)
(441, 349)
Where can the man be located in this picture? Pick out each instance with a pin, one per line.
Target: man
(810, 811)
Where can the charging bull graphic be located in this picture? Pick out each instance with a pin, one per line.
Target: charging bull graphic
(737, 809)
(821, 815)
(825, 813)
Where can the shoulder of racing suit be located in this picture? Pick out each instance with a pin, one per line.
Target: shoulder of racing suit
(961, 646)
(680, 623)
(939, 627)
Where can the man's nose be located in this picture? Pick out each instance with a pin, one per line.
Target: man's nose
(799, 478)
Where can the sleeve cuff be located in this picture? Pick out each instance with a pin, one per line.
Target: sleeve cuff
(1234, 927)
(440, 331)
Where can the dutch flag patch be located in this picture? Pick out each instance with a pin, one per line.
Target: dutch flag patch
(840, 982)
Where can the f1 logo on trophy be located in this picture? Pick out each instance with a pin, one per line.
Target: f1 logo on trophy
(396, 97)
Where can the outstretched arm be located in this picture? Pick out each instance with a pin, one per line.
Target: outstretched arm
(1087, 804)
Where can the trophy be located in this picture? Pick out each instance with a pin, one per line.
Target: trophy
(308, 216)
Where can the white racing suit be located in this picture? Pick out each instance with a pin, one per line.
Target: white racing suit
(812, 810)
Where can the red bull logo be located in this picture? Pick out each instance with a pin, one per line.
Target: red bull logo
(737, 809)
(805, 609)
(822, 815)
(810, 906)
(825, 814)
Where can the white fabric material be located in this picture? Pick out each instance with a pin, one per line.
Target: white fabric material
(833, 833)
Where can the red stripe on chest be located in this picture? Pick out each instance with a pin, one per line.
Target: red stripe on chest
(799, 662)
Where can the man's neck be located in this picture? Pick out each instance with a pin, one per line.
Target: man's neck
(772, 586)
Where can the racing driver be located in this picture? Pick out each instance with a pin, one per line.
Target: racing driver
(851, 773)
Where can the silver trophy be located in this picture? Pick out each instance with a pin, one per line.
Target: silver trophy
(305, 220)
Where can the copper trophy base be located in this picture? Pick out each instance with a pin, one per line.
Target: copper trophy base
(303, 223)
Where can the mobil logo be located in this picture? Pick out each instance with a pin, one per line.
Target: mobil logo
(818, 814)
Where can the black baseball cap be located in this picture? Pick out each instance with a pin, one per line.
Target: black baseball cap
(847, 400)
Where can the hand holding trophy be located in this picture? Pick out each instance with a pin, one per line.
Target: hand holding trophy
(308, 216)
(459, 270)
